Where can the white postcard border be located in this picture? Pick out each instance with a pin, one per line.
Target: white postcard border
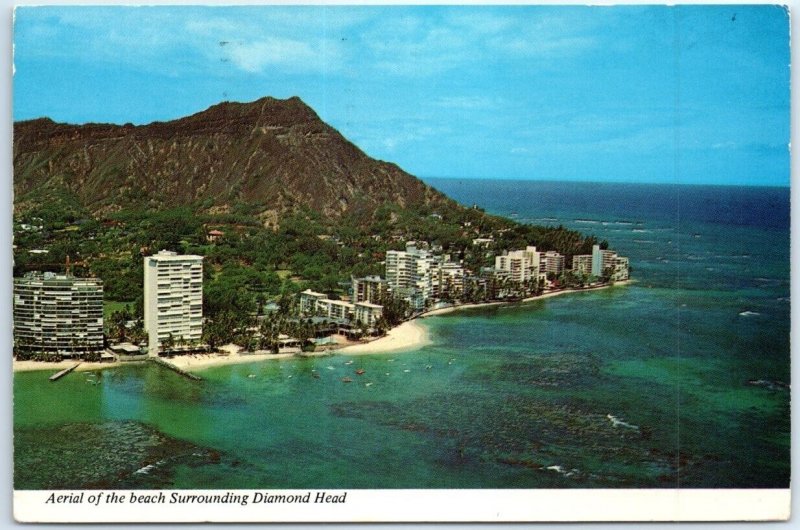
(372, 506)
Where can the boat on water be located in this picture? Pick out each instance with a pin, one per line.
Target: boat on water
(360, 371)
(346, 380)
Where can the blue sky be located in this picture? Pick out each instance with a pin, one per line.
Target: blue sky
(693, 94)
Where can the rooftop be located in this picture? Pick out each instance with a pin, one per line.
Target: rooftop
(54, 277)
(369, 304)
(168, 255)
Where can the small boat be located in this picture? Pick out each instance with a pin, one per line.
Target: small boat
(360, 371)
(349, 363)
(406, 371)
(251, 375)
(346, 380)
(315, 374)
(367, 384)
(428, 367)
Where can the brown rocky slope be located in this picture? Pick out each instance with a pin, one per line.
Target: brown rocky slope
(276, 155)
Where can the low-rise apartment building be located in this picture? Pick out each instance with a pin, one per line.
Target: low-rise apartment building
(552, 262)
(367, 313)
(308, 301)
(336, 309)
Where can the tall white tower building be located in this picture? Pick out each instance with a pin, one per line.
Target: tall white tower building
(408, 274)
(173, 298)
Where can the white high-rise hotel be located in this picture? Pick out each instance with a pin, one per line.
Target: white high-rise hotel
(173, 298)
(409, 274)
(522, 265)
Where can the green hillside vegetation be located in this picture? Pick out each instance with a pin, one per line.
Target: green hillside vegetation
(251, 264)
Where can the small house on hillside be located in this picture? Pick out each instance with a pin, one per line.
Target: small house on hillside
(214, 235)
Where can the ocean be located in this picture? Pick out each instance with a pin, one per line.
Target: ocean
(679, 379)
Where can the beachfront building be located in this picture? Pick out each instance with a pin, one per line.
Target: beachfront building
(582, 264)
(621, 269)
(409, 274)
(399, 267)
(551, 262)
(308, 301)
(448, 280)
(607, 261)
(367, 313)
(514, 266)
(58, 314)
(601, 260)
(369, 289)
(519, 266)
(173, 298)
(335, 309)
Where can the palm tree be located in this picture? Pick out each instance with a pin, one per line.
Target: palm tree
(168, 344)
(268, 332)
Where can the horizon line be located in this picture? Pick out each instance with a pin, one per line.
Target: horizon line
(589, 181)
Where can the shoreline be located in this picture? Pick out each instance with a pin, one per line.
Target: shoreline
(569, 291)
(85, 366)
(409, 334)
(549, 294)
(201, 361)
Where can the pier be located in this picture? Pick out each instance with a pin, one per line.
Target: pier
(62, 373)
(162, 362)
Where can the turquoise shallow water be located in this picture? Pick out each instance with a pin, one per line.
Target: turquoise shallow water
(678, 379)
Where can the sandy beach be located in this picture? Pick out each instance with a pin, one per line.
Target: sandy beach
(407, 335)
(450, 309)
(201, 361)
(30, 366)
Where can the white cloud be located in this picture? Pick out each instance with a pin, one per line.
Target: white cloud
(422, 46)
(255, 56)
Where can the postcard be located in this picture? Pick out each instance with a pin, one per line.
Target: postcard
(361, 263)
